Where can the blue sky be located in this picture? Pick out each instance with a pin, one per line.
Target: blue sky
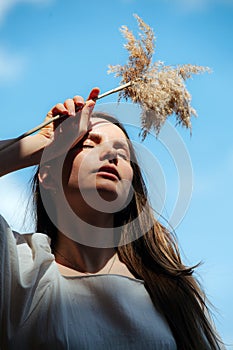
(52, 49)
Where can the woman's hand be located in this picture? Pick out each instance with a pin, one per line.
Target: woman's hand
(76, 127)
(59, 136)
(56, 137)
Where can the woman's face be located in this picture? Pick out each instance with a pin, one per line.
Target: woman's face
(99, 168)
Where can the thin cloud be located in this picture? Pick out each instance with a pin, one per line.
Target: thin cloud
(7, 5)
(11, 66)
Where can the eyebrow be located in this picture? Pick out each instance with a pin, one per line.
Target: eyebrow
(123, 144)
(97, 138)
(94, 137)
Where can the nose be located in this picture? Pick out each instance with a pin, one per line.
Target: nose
(110, 154)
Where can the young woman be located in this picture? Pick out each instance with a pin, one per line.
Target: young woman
(101, 272)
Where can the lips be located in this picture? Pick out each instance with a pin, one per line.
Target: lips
(109, 171)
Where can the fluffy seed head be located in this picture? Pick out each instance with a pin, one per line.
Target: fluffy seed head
(159, 89)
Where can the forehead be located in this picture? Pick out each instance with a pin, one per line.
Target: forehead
(105, 127)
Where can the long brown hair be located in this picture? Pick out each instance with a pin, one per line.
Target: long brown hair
(153, 257)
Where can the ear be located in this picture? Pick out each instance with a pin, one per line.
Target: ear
(46, 178)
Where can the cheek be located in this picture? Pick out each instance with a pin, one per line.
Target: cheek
(82, 170)
(127, 173)
(71, 169)
(79, 171)
(127, 178)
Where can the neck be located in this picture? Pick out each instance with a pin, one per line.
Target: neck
(85, 240)
(82, 258)
(85, 225)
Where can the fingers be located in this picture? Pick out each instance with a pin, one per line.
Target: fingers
(85, 117)
(70, 106)
(58, 109)
(94, 94)
(78, 101)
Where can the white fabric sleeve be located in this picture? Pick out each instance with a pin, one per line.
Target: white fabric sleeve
(21, 268)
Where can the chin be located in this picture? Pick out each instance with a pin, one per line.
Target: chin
(111, 200)
(107, 195)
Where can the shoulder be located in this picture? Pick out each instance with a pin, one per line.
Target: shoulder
(3, 223)
(6, 232)
(29, 238)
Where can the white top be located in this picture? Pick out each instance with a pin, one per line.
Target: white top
(41, 309)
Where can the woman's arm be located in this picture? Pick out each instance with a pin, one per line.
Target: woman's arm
(21, 154)
(28, 151)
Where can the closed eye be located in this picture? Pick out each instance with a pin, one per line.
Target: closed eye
(87, 146)
(123, 155)
(79, 147)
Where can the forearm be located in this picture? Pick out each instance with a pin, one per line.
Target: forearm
(21, 154)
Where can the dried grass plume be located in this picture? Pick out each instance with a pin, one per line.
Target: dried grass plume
(159, 89)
